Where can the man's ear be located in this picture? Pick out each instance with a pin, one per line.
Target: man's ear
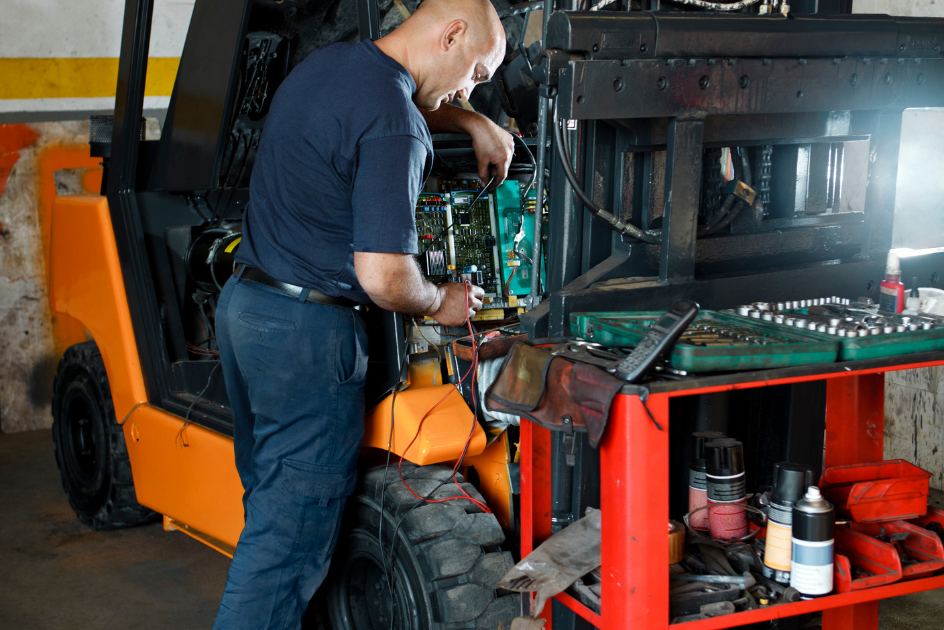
(454, 30)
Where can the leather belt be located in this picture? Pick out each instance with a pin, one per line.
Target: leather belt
(254, 274)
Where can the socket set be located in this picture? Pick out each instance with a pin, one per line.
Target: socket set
(863, 331)
(714, 342)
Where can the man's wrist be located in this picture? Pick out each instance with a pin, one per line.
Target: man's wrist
(436, 304)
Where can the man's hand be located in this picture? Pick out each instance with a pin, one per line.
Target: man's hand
(453, 307)
(493, 146)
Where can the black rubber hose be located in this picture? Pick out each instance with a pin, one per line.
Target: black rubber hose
(611, 220)
(534, 169)
(722, 213)
(747, 178)
(727, 214)
(731, 216)
(746, 175)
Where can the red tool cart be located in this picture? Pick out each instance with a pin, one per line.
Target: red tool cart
(635, 547)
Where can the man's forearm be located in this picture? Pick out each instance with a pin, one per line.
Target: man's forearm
(394, 282)
(450, 119)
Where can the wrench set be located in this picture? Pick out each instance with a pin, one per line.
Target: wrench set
(713, 342)
(838, 316)
(764, 335)
(862, 330)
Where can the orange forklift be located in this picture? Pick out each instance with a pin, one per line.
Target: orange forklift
(639, 112)
(142, 424)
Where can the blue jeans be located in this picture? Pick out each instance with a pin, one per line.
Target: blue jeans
(295, 374)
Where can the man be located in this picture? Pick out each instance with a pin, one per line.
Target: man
(343, 157)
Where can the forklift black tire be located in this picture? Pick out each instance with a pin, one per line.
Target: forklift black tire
(444, 566)
(90, 446)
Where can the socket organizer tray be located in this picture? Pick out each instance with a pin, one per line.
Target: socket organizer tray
(863, 332)
(714, 342)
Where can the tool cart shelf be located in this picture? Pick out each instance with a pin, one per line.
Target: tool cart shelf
(635, 546)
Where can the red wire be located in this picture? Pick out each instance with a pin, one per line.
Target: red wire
(472, 370)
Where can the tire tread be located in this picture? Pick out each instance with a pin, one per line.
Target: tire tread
(121, 508)
(455, 543)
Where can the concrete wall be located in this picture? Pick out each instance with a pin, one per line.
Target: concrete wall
(29, 350)
(38, 161)
(915, 8)
(914, 419)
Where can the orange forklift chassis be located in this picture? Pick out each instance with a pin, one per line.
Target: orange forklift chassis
(190, 477)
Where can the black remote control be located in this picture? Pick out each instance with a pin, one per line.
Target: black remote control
(657, 342)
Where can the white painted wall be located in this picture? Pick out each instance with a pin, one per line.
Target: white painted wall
(916, 8)
(85, 28)
(54, 29)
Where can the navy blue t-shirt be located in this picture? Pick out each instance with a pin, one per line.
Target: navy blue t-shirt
(343, 156)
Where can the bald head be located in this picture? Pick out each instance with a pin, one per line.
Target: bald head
(479, 15)
(449, 46)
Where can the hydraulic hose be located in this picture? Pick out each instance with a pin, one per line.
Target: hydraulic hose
(722, 213)
(651, 236)
(731, 216)
(726, 214)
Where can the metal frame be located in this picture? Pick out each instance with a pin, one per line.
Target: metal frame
(125, 216)
(683, 82)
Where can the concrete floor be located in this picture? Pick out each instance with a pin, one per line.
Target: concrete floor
(56, 574)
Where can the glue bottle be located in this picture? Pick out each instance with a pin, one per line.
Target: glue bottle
(891, 290)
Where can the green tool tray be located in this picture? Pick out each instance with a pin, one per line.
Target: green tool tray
(874, 346)
(790, 347)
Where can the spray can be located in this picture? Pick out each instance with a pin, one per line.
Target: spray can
(790, 484)
(811, 569)
(697, 485)
(891, 290)
(727, 489)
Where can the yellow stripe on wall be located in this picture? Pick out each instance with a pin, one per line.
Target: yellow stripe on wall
(86, 77)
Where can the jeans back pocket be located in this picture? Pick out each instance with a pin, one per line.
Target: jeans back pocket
(266, 323)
